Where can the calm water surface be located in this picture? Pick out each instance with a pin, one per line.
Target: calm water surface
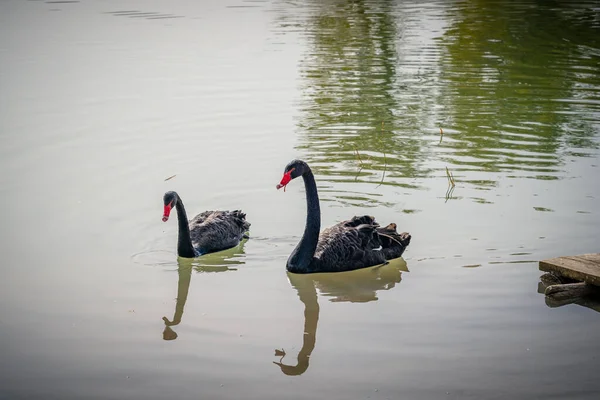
(101, 102)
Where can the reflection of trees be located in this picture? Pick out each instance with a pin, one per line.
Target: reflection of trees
(515, 85)
(358, 286)
(349, 102)
(511, 85)
(215, 262)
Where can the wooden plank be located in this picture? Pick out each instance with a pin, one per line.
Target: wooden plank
(583, 267)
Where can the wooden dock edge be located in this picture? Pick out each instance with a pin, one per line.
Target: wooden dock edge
(571, 277)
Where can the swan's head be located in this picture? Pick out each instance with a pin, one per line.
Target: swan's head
(170, 199)
(293, 170)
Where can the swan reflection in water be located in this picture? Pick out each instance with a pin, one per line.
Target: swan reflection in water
(359, 286)
(225, 260)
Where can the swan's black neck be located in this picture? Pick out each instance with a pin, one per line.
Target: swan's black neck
(303, 254)
(184, 241)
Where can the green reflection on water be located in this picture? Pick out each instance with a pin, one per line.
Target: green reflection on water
(350, 109)
(514, 98)
(511, 89)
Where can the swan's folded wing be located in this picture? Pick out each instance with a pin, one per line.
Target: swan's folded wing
(344, 247)
(393, 243)
(200, 218)
(234, 218)
(360, 220)
(240, 219)
(217, 230)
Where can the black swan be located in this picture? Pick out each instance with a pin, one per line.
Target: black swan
(357, 243)
(208, 232)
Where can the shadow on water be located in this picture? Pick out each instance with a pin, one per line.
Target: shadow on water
(358, 286)
(381, 77)
(222, 261)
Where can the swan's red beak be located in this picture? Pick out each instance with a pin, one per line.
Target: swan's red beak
(287, 177)
(167, 212)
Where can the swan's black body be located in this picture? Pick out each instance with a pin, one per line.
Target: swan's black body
(357, 243)
(207, 232)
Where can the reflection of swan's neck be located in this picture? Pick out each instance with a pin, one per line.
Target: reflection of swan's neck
(311, 319)
(302, 256)
(183, 287)
(184, 241)
(308, 296)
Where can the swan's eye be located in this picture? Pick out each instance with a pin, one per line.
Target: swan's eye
(287, 177)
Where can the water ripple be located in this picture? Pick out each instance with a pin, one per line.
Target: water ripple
(378, 78)
(143, 14)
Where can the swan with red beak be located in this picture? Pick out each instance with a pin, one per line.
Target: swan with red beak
(207, 232)
(353, 244)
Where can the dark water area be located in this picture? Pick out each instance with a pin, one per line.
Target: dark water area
(104, 106)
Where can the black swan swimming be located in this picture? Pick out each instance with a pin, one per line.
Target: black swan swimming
(357, 243)
(208, 232)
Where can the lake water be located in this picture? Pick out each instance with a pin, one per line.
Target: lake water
(102, 101)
